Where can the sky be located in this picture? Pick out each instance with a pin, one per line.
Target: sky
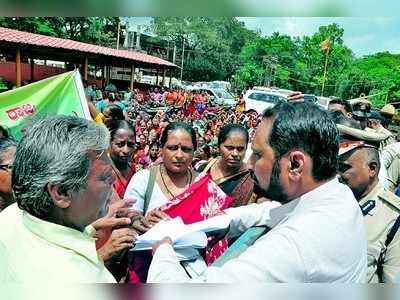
(364, 36)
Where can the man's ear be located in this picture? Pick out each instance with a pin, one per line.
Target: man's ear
(373, 169)
(296, 164)
(60, 198)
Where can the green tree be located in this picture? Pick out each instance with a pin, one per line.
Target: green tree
(377, 74)
(249, 75)
(96, 30)
(29, 24)
(212, 45)
(276, 52)
(298, 63)
(339, 58)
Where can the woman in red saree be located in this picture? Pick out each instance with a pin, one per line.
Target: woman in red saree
(176, 190)
(121, 149)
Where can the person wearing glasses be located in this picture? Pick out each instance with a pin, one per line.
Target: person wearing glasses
(359, 166)
(7, 154)
(62, 182)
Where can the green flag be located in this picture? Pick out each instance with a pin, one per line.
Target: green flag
(61, 94)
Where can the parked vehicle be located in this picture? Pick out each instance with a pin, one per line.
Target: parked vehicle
(274, 90)
(259, 100)
(220, 85)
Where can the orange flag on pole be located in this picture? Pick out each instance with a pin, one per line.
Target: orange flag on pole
(326, 44)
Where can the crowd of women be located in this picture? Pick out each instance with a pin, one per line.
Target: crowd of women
(181, 162)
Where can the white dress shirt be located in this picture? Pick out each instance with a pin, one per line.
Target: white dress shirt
(318, 237)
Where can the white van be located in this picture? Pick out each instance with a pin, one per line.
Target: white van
(259, 100)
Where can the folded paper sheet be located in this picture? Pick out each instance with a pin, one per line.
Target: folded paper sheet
(182, 235)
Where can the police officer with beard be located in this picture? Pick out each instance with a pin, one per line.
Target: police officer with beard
(359, 166)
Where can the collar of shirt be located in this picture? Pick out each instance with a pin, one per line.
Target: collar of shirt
(314, 196)
(373, 195)
(282, 213)
(62, 236)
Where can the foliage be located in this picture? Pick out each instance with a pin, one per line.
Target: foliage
(249, 75)
(95, 30)
(299, 62)
(224, 49)
(377, 74)
(212, 45)
(3, 85)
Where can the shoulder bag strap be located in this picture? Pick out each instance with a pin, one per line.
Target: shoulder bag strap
(209, 165)
(150, 188)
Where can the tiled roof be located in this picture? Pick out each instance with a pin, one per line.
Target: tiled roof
(27, 38)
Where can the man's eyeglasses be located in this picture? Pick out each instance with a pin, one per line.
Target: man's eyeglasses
(6, 168)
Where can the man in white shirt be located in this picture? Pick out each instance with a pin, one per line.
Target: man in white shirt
(318, 233)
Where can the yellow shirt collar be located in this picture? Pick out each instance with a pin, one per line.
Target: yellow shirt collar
(80, 242)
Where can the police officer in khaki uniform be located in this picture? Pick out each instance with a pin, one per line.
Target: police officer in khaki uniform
(359, 167)
(394, 174)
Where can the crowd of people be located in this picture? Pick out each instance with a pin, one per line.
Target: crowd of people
(76, 193)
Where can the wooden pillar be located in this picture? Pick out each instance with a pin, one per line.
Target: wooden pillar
(85, 69)
(157, 77)
(132, 76)
(32, 70)
(163, 77)
(107, 75)
(170, 78)
(103, 71)
(95, 72)
(18, 67)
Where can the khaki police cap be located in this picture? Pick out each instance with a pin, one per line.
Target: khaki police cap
(352, 138)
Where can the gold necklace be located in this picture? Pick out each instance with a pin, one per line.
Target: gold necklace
(165, 185)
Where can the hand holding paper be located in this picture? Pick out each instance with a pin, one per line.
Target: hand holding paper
(182, 236)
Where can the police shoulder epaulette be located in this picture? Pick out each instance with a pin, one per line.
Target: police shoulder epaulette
(390, 198)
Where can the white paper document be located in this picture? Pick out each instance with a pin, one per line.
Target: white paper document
(211, 224)
(182, 235)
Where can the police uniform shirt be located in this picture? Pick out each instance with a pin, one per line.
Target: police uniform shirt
(394, 174)
(378, 221)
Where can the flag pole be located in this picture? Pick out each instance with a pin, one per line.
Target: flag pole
(325, 69)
